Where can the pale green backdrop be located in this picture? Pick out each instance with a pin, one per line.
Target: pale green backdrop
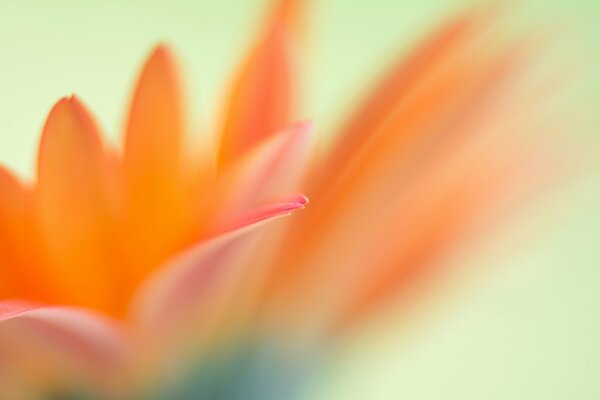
(528, 328)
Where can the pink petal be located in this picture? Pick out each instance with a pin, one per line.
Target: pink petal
(199, 278)
(274, 167)
(88, 339)
(267, 212)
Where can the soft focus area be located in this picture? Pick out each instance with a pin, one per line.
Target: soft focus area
(516, 316)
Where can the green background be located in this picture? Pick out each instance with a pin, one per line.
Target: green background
(522, 323)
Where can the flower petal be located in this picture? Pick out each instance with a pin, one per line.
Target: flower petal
(261, 99)
(74, 200)
(392, 92)
(268, 212)
(15, 255)
(416, 146)
(74, 339)
(157, 181)
(273, 167)
(200, 277)
(368, 164)
(154, 133)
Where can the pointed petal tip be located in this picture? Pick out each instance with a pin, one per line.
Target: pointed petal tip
(68, 99)
(282, 208)
(70, 104)
(67, 112)
(162, 54)
(285, 208)
(63, 102)
(161, 62)
(162, 48)
(298, 201)
(291, 203)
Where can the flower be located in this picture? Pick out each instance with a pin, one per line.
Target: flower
(134, 269)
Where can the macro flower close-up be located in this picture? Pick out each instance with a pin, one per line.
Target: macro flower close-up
(292, 242)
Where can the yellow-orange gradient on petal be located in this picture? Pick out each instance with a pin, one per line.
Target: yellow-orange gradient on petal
(261, 100)
(164, 241)
(96, 222)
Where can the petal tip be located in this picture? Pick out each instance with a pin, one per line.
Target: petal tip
(300, 200)
(162, 54)
(295, 202)
(70, 104)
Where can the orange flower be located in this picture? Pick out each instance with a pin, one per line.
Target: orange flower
(154, 242)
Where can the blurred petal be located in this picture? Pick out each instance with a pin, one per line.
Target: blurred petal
(393, 90)
(273, 167)
(14, 198)
(262, 96)
(414, 149)
(368, 162)
(77, 337)
(460, 194)
(73, 200)
(161, 204)
(153, 139)
(201, 277)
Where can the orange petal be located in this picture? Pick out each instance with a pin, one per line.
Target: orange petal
(399, 149)
(20, 264)
(262, 96)
(197, 278)
(156, 177)
(453, 203)
(154, 133)
(73, 200)
(392, 92)
(12, 194)
(369, 164)
(12, 209)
